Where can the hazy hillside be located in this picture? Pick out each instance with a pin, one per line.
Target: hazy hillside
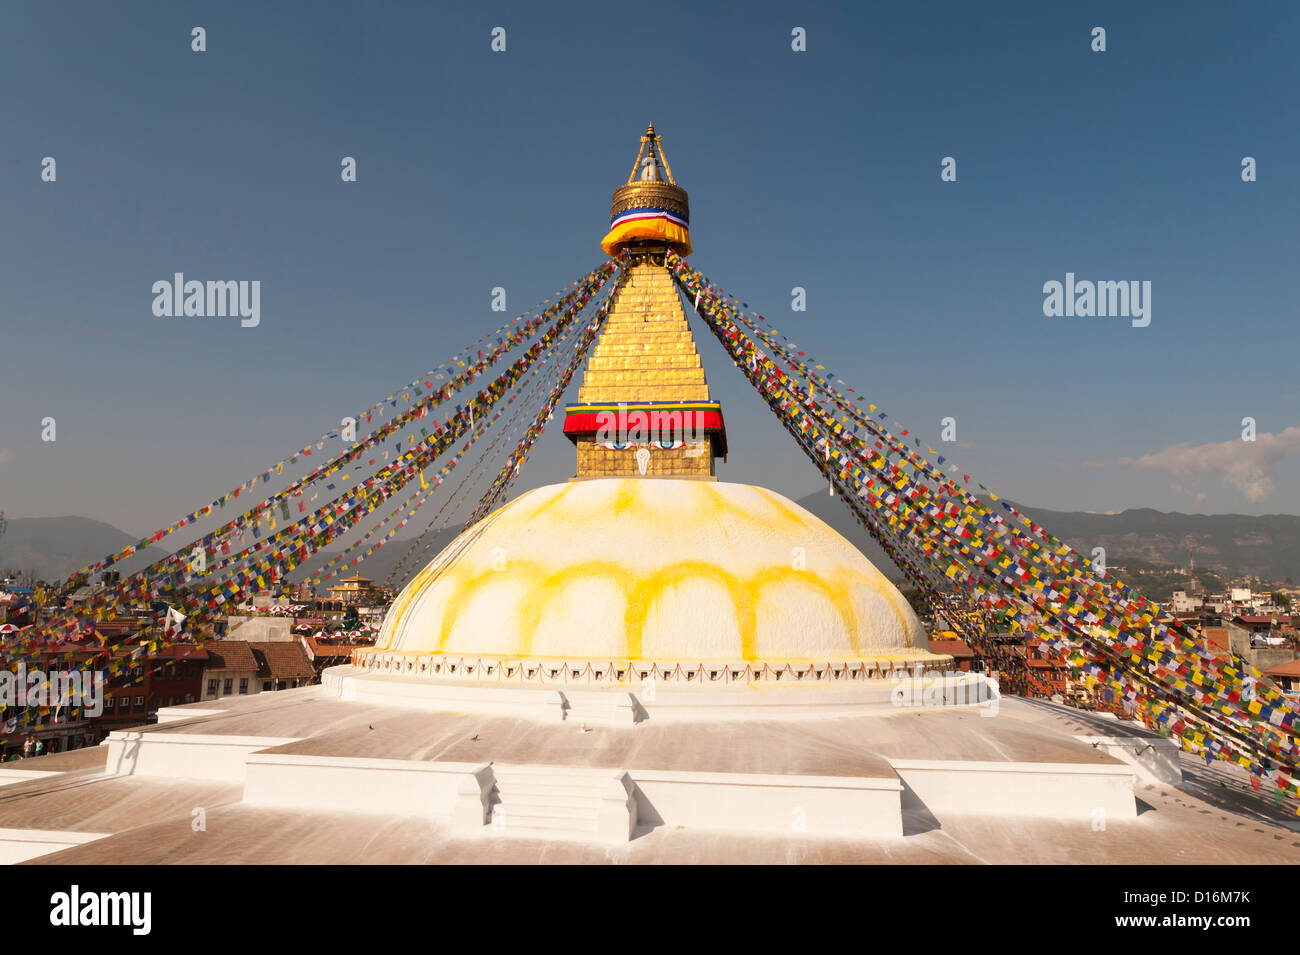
(58, 546)
(1230, 544)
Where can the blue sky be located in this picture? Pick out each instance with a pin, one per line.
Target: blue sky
(817, 169)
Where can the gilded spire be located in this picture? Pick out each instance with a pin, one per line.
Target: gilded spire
(651, 156)
(644, 407)
(650, 210)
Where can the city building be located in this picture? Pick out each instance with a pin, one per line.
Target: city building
(1286, 675)
(356, 590)
(232, 670)
(151, 678)
(964, 658)
(324, 654)
(282, 665)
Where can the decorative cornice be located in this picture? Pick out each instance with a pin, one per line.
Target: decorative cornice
(650, 195)
(553, 672)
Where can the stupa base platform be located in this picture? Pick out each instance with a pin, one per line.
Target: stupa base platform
(337, 781)
(846, 775)
(703, 692)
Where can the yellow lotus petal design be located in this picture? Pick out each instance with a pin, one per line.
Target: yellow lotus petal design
(645, 569)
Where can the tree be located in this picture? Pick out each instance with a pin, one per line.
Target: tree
(920, 606)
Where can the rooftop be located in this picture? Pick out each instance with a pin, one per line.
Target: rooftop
(231, 655)
(282, 660)
(1211, 817)
(322, 648)
(954, 648)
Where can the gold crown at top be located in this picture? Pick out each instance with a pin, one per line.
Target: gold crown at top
(650, 185)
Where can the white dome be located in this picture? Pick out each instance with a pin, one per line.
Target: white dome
(653, 569)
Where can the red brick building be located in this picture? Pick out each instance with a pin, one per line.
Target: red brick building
(57, 728)
(169, 676)
(963, 657)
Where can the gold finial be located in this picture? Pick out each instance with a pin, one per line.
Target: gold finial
(650, 206)
(652, 148)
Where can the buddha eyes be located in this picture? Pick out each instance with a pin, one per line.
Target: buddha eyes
(623, 445)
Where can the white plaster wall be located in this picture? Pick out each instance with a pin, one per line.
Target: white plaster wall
(397, 786)
(790, 805)
(1155, 759)
(183, 755)
(1055, 790)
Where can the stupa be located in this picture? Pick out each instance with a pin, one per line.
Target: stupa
(640, 664)
(645, 569)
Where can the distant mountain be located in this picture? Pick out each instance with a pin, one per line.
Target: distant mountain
(57, 546)
(1232, 545)
(1267, 546)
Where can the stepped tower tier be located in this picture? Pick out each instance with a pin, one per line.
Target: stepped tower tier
(644, 408)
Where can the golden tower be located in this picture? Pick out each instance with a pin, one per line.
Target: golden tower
(644, 407)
